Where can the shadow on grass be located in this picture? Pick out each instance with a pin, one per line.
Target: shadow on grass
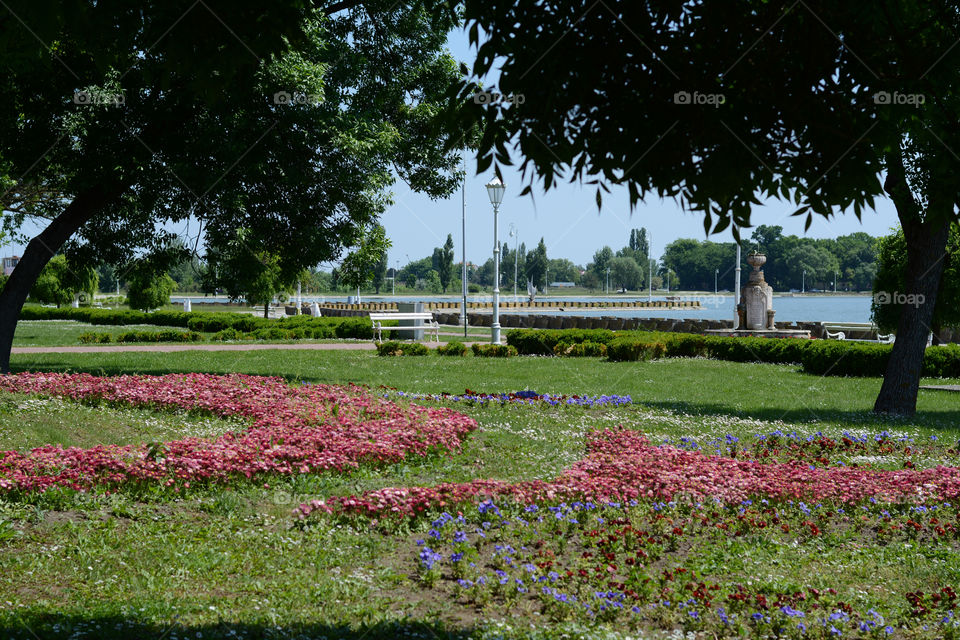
(111, 627)
(948, 419)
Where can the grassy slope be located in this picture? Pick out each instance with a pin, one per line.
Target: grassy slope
(226, 559)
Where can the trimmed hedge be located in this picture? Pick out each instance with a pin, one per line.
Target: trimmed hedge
(494, 350)
(453, 348)
(827, 357)
(542, 342)
(393, 348)
(168, 335)
(634, 349)
(359, 328)
(819, 357)
(586, 349)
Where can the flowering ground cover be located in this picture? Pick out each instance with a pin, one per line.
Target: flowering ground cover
(226, 560)
(292, 429)
(631, 534)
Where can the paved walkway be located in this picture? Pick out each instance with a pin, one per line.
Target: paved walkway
(941, 387)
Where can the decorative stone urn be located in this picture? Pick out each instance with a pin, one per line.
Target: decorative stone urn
(757, 296)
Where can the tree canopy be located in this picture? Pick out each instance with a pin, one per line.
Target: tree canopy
(721, 105)
(291, 123)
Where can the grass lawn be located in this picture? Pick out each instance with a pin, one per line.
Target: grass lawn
(231, 561)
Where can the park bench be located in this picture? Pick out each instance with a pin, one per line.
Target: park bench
(421, 316)
(275, 312)
(839, 331)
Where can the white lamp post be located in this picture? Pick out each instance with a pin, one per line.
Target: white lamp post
(716, 274)
(736, 292)
(463, 249)
(803, 282)
(495, 189)
(515, 234)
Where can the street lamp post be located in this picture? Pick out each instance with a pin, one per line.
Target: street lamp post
(463, 247)
(803, 282)
(546, 279)
(608, 280)
(736, 291)
(495, 189)
(515, 234)
(716, 274)
(835, 274)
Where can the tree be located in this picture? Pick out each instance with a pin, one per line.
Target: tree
(889, 286)
(601, 258)
(244, 269)
(625, 273)
(283, 125)
(445, 269)
(729, 103)
(536, 266)
(147, 289)
(818, 263)
(357, 269)
(62, 279)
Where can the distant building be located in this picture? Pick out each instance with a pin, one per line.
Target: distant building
(9, 264)
(562, 284)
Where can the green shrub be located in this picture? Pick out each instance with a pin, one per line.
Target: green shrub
(494, 350)
(394, 348)
(169, 335)
(841, 358)
(770, 350)
(581, 349)
(92, 337)
(453, 348)
(632, 349)
(356, 328)
(543, 342)
(942, 361)
(226, 335)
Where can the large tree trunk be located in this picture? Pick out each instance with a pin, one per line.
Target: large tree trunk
(38, 252)
(926, 238)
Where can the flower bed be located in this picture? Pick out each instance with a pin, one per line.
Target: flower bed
(623, 465)
(293, 429)
(642, 564)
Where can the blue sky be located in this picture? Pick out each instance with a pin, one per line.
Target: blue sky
(567, 217)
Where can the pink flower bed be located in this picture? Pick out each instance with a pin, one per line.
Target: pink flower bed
(623, 465)
(293, 429)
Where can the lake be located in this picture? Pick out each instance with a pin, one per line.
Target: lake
(810, 308)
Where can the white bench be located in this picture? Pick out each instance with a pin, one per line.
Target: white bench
(424, 316)
(839, 331)
(275, 311)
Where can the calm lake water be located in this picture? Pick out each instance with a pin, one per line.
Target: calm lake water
(811, 308)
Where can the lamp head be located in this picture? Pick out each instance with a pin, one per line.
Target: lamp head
(495, 189)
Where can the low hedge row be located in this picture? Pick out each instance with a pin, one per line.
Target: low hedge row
(169, 335)
(494, 350)
(453, 348)
(393, 348)
(317, 328)
(827, 357)
(820, 357)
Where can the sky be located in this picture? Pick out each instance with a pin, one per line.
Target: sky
(566, 217)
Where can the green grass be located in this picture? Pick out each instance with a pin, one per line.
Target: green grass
(222, 560)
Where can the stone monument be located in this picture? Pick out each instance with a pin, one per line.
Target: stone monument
(755, 311)
(757, 297)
